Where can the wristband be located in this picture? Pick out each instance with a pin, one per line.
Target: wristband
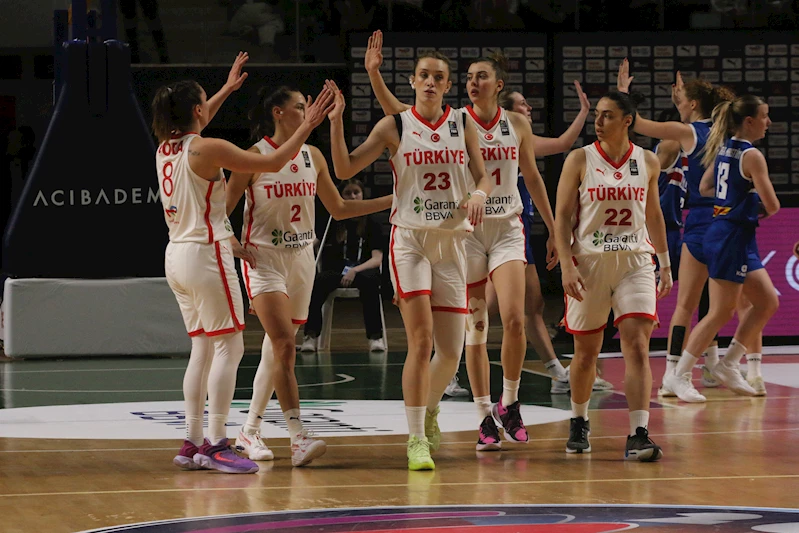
(663, 259)
(481, 193)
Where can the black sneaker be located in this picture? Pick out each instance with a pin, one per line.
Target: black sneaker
(578, 436)
(488, 440)
(641, 447)
(511, 419)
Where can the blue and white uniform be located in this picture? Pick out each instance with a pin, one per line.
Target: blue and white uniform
(672, 187)
(730, 245)
(528, 211)
(700, 209)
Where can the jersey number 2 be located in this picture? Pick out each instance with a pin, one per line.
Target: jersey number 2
(295, 213)
(721, 184)
(626, 214)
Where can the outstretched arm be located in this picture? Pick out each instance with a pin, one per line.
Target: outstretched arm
(372, 61)
(234, 80)
(338, 207)
(555, 145)
(236, 185)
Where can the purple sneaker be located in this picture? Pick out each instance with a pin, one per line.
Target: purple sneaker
(511, 419)
(488, 439)
(221, 457)
(185, 457)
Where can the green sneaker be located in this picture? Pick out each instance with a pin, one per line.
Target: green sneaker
(431, 429)
(419, 454)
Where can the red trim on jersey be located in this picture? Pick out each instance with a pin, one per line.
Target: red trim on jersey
(394, 177)
(236, 324)
(276, 146)
(636, 315)
(252, 209)
(424, 121)
(179, 135)
(224, 331)
(618, 165)
(482, 124)
(196, 332)
(524, 233)
(476, 284)
(577, 331)
(443, 309)
(411, 294)
(299, 321)
(246, 271)
(208, 212)
(576, 223)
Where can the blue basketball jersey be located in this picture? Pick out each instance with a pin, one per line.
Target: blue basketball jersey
(736, 198)
(695, 169)
(527, 200)
(672, 187)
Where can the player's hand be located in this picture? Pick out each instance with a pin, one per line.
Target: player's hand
(678, 89)
(339, 103)
(573, 283)
(348, 278)
(585, 105)
(316, 111)
(243, 253)
(475, 207)
(665, 283)
(552, 253)
(374, 52)
(624, 80)
(235, 78)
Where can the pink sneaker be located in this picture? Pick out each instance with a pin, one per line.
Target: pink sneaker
(185, 457)
(511, 419)
(221, 457)
(488, 438)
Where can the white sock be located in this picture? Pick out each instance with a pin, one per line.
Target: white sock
(735, 351)
(712, 355)
(638, 419)
(671, 362)
(194, 429)
(415, 416)
(251, 429)
(293, 422)
(580, 410)
(483, 404)
(686, 364)
(216, 428)
(510, 391)
(753, 361)
(555, 369)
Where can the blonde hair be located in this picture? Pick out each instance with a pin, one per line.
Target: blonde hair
(727, 118)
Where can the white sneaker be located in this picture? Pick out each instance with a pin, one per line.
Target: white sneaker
(561, 385)
(305, 448)
(602, 384)
(454, 389)
(683, 387)
(731, 377)
(707, 378)
(758, 384)
(664, 391)
(308, 344)
(255, 448)
(377, 345)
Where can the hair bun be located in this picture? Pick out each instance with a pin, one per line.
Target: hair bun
(637, 98)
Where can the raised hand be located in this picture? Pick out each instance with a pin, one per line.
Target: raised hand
(338, 100)
(678, 89)
(585, 105)
(316, 111)
(374, 52)
(624, 80)
(235, 78)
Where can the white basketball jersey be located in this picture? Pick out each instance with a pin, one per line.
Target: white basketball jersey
(500, 148)
(431, 179)
(279, 206)
(611, 209)
(194, 208)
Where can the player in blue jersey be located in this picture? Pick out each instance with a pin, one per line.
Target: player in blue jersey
(737, 175)
(672, 188)
(695, 102)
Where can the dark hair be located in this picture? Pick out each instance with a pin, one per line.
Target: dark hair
(627, 103)
(341, 229)
(669, 115)
(498, 62)
(262, 122)
(173, 107)
(434, 54)
(505, 99)
(708, 95)
(727, 118)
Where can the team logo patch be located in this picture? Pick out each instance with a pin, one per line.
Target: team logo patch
(453, 128)
(306, 158)
(599, 238)
(277, 237)
(633, 167)
(417, 205)
(294, 168)
(435, 137)
(618, 175)
(503, 127)
(489, 136)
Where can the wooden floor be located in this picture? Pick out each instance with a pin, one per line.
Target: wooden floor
(731, 451)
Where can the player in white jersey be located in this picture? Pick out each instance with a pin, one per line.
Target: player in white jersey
(279, 216)
(199, 258)
(430, 150)
(607, 208)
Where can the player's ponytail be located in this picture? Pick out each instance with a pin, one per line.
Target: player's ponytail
(173, 107)
(262, 123)
(707, 95)
(727, 118)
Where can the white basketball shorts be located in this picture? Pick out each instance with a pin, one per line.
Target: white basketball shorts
(492, 244)
(287, 270)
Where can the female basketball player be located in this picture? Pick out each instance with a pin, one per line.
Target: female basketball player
(737, 175)
(430, 148)
(608, 205)
(695, 101)
(199, 258)
(279, 229)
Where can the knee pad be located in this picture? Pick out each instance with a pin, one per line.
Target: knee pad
(477, 322)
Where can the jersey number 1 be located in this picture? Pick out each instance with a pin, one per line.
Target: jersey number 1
(721, 184)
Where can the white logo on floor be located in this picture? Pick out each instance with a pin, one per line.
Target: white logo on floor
(166, 420)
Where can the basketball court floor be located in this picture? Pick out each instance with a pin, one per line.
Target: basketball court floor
(87, 445)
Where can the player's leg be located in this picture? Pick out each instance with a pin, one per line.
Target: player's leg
(754, 352)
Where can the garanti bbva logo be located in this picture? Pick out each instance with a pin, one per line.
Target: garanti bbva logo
(277, 237)
(417, 205)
